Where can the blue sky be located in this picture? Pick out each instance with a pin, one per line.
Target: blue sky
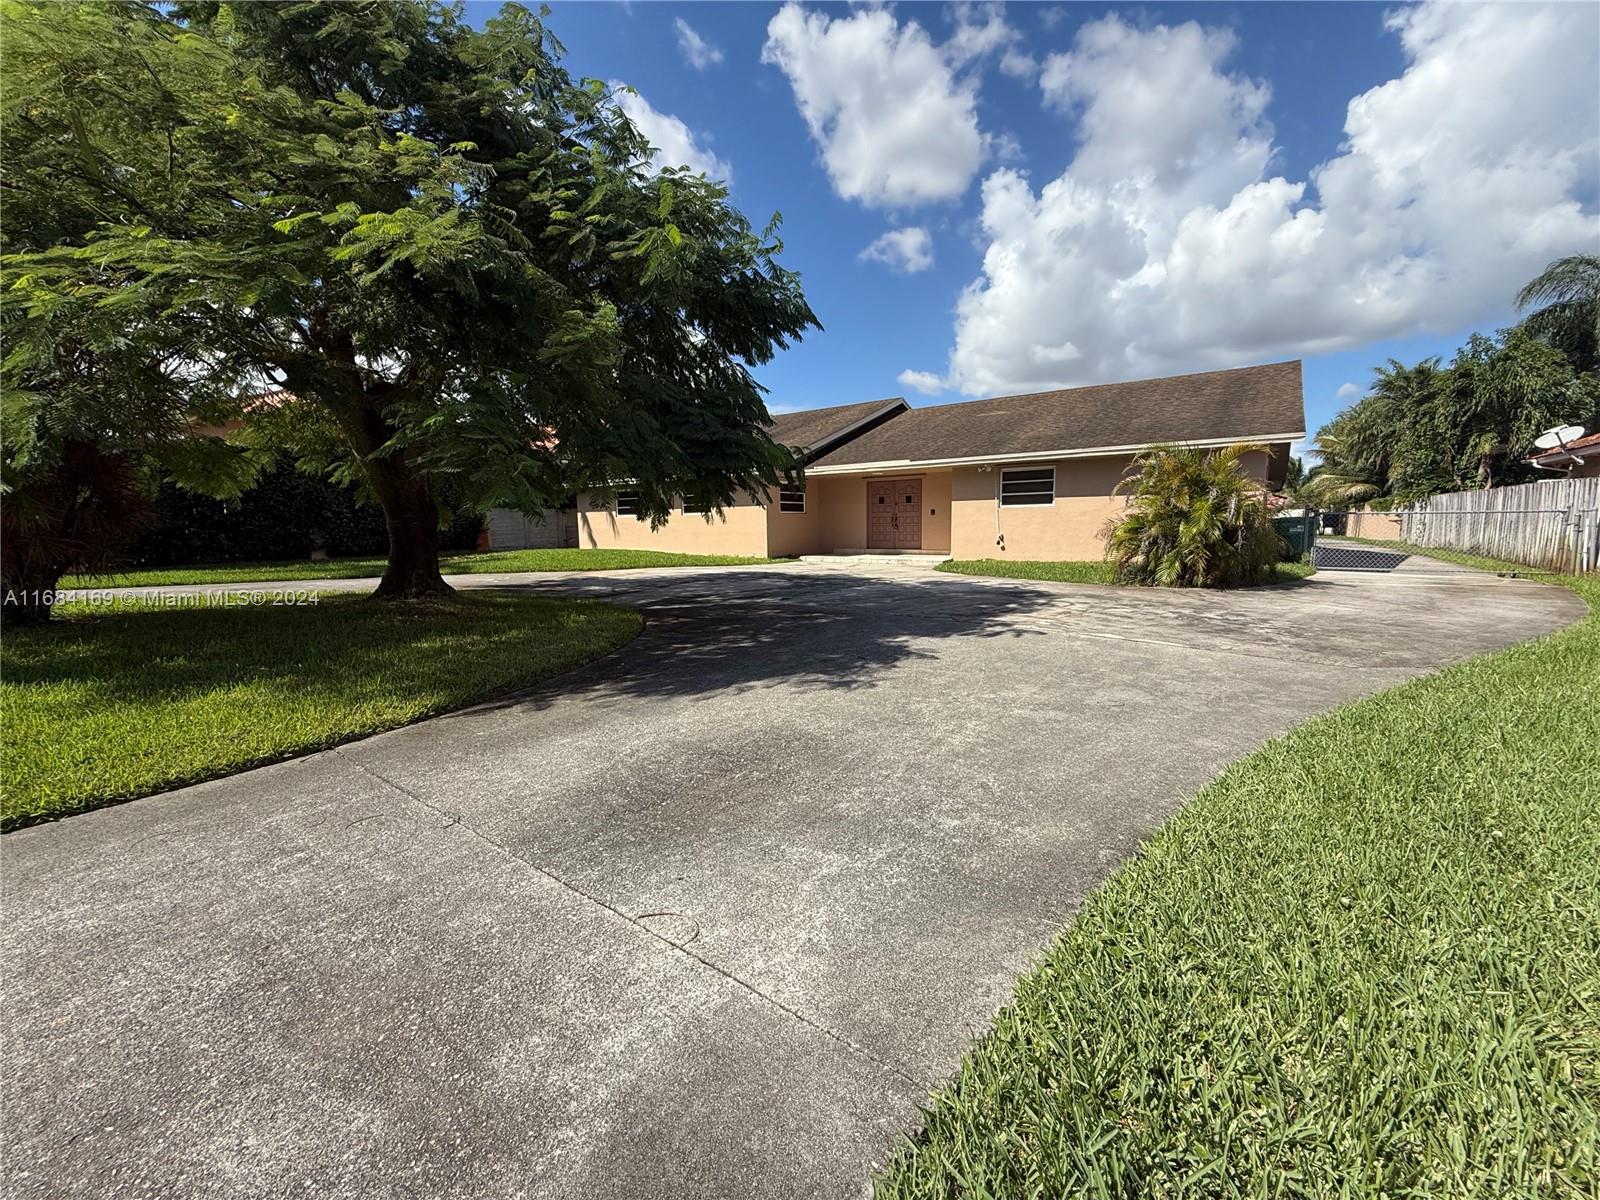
(1125, 191)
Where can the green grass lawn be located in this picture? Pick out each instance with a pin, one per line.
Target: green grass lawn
(1364, 962)
(1074, 572)
(108, 704)
(494, 562)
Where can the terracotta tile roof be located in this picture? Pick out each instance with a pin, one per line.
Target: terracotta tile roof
(1244, 403)
(1584, 447)
(816, 428)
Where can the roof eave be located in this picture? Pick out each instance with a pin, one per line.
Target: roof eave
(907, 464)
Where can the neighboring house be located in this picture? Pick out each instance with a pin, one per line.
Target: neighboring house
(1026, 477)
(509, 529)
(1580, 458)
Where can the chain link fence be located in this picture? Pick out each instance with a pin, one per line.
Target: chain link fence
(1553, 524)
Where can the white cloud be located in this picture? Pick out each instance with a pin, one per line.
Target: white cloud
(980, 30)
(1004, 148)
(675, 143)
(1051, 15)
(697, 52)
(1168, 244)
(925, 382)
(1347, 391)
(895, 124)
(906, 250)
(1019, 65)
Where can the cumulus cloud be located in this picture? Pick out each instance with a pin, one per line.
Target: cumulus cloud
(895, 123)
(925, 382)
(697, 52)
(1347, 392)
(1169, 244)
(675, 143)
(980, 30)
(906, 250)
(1019, 64)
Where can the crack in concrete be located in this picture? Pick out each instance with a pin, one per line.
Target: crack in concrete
(456, 819)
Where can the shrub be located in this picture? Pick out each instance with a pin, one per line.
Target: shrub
(286, 515)
(1194, 519)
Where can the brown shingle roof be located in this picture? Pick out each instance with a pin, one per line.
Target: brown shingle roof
(817, 427)
(1247, 402)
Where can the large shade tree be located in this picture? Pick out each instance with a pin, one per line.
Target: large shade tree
(453, 257)
(98, 399)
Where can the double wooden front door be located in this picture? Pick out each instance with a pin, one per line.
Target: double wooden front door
(894, 514)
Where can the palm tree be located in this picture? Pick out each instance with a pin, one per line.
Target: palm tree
(1352, 470)
(1194, 519)
(1294, 475)
(1569, 292)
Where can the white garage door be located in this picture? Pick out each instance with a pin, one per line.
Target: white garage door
(510, 530)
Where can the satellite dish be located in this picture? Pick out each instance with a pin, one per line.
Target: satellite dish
(1550, 439)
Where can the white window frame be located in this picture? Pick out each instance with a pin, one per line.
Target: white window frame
(785, 496)
(638, 502)
(1020, 470)
(683, 506)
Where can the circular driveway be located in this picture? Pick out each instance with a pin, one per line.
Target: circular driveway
(708, 917)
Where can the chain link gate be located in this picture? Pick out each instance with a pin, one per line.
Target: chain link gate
(1560, 539)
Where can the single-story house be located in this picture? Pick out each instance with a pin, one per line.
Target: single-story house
(1579, 458)
(1025, 477)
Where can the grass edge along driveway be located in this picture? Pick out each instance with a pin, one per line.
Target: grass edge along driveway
(489, 563)
(1077, 571)
(1365, 961)
(114, 703)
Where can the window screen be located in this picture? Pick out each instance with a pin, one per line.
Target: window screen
(1033, 486)
(627, 504)
(792, 500)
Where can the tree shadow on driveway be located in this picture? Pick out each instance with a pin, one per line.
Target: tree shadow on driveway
(744, 630)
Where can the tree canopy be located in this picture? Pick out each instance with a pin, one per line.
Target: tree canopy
(453, 257)
(1429, 428)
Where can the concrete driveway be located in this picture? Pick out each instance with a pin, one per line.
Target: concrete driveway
(707, 918)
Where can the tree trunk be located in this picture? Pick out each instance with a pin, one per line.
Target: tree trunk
(411, 516)
(26, 597)
(412, 519)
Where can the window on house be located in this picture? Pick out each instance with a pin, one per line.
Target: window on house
(792, 500)
(627, 504)
(1036, 485)
(695, 508)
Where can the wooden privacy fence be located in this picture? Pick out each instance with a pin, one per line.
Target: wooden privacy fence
(1554, 523)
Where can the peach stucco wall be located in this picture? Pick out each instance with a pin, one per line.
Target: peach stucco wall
(842, 501)
(1366, 524)
(742, 529)
(958, 516)
(1068, 529)
(790, 534)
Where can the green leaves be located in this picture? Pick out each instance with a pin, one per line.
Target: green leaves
(1426, 429)
(431, 232)
(1195, 519)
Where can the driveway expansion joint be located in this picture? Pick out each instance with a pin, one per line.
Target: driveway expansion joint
(638, 922)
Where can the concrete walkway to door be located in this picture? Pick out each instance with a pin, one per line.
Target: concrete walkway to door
(706, 918)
